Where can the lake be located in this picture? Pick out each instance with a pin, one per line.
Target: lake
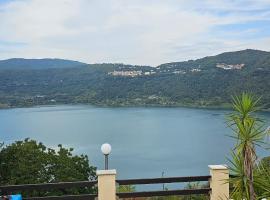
(145, 141)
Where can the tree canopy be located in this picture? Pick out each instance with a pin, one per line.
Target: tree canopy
(30, 162)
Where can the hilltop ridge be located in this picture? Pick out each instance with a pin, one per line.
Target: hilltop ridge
(204, 82)
(44, 63)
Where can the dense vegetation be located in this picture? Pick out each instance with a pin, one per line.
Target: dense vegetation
(192, 83)
(30, 162)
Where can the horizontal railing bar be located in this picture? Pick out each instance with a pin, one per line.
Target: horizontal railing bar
(163, 180)
(67, 197)
(164, 193)
(47, 186)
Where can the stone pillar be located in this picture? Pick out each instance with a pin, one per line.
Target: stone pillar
(106, 184)
(219, 182)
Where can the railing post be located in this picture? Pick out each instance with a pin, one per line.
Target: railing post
(219, 182)
(106, 184)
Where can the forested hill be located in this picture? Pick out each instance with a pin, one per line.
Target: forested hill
(46, 63)
(253, 59)
(205, 82)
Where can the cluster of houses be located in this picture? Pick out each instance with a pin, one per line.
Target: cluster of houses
(134, 73)
(131, 73)
(229, 67)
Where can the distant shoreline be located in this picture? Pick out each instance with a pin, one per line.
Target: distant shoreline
(128, 106)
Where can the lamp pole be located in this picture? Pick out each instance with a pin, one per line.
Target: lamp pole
(106, 162)
(106, 150)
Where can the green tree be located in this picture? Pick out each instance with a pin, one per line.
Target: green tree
(30, 162)
(249, 133)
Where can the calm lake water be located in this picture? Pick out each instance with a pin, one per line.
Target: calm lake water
(145, 141)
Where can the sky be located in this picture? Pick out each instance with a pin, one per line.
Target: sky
(143, 32)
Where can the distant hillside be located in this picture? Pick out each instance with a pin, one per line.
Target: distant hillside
(47, 63)
(205, 82)
(251, 58)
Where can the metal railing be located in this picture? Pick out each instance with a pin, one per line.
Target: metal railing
(62, 186)
(195, 191)
(89, 184)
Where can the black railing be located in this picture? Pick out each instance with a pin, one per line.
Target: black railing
(195, 191)
(11, 189)
(5, 190)
(204, 191)
(163, 180)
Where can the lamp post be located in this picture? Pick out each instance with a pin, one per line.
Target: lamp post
(106, 150)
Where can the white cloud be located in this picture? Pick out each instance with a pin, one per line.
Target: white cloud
(129, 31)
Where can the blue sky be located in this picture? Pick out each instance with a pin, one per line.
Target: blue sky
(131, 31)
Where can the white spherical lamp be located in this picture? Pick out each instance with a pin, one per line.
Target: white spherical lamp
(106, 150)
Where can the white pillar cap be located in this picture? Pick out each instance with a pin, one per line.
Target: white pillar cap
(217, 167)
(106, 172)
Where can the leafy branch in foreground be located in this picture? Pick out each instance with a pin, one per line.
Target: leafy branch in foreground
(249, 132)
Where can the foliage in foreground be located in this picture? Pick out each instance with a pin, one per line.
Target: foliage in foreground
(30, 162)
(248, 132)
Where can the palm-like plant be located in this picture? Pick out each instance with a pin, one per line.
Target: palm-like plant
(249, 133)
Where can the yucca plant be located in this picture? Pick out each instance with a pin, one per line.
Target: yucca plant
(239, 180)
(249, 133)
